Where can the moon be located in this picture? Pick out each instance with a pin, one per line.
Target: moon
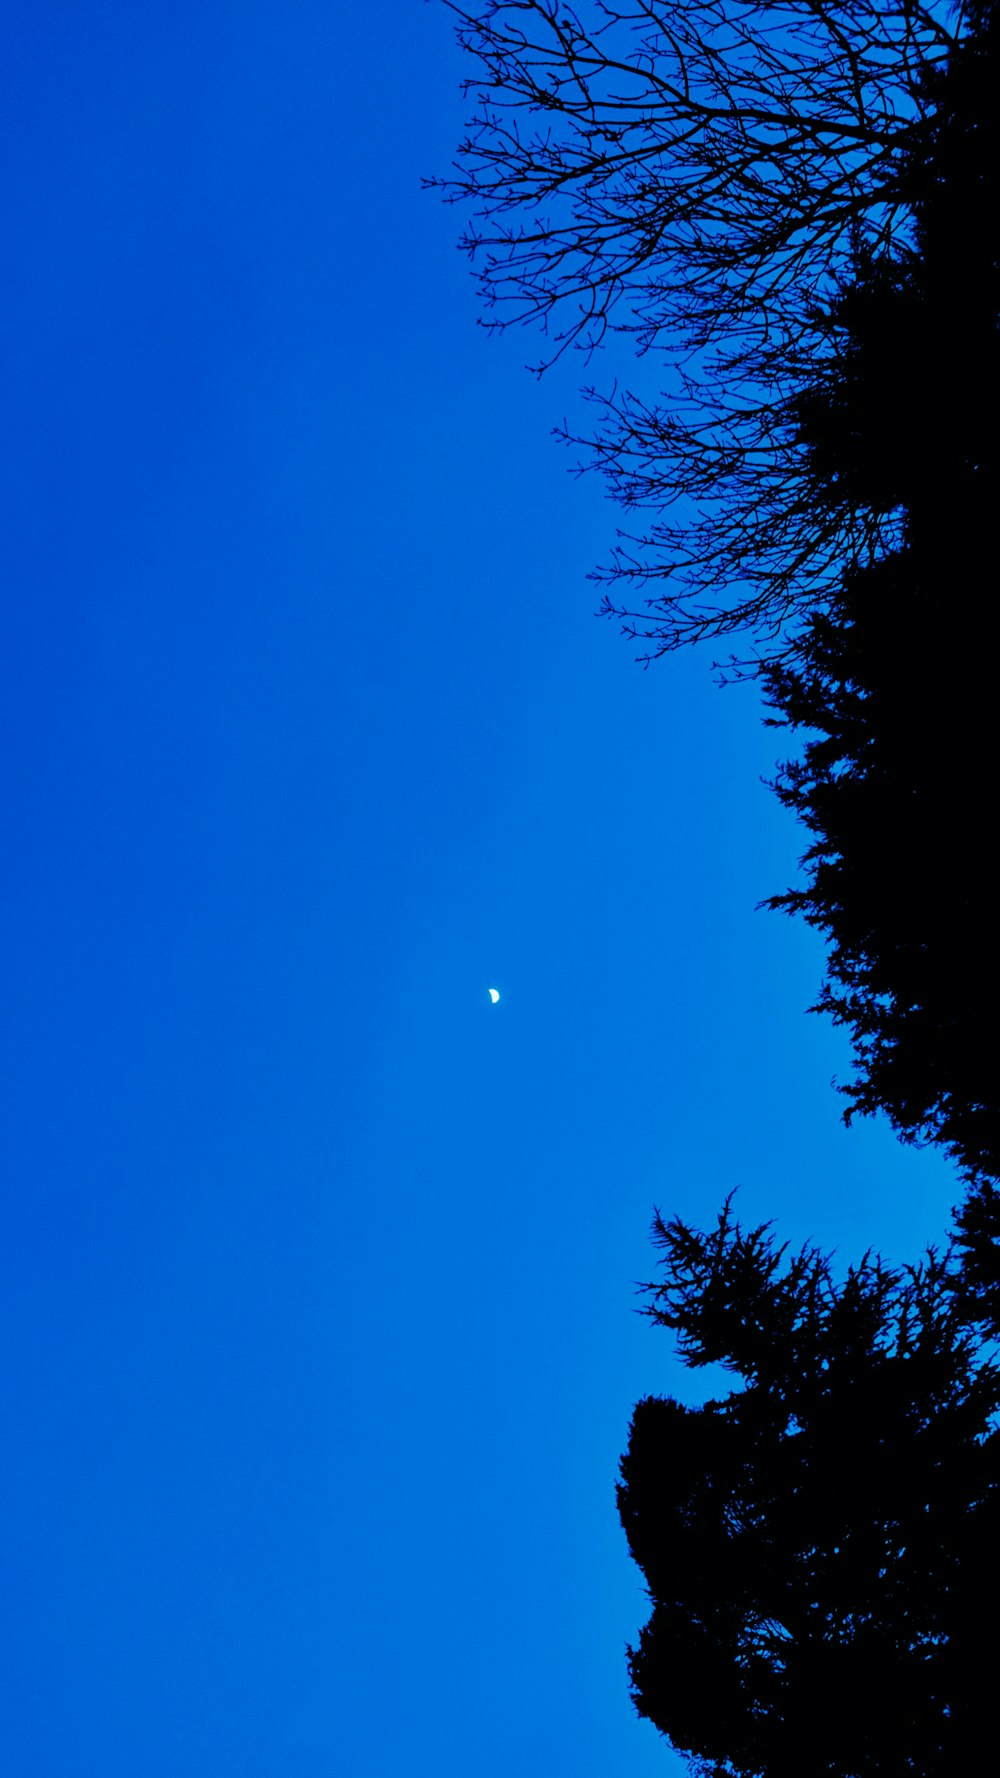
(493, 994)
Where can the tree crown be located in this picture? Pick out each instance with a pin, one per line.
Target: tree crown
(703, 177)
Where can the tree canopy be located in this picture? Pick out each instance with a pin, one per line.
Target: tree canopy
(700, 176)
(820, 1547)
(892, 680)
(798, 203)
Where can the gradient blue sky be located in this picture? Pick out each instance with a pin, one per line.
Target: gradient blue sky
(317, 1319)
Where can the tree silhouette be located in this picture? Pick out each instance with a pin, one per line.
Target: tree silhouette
(978, 1241)
(819, 1547)
(797, 204)
(695, 176)
(893, 679)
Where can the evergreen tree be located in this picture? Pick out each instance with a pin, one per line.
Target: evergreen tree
(894, 677)
(819, 1547)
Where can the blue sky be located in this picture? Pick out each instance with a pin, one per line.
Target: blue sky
(318, 1300)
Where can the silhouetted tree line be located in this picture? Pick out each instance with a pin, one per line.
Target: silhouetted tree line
(799, 203)
(894, 678)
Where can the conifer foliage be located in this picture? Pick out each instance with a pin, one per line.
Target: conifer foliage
(894, 676)
(820, 1547)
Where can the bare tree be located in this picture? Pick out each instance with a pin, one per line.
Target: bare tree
(702, 176)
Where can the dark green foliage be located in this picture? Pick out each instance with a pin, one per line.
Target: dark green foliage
(818, 1546)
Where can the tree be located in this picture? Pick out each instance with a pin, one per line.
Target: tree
(696, 176)
(978, 1241)
(802, 200)
(819, 1548)
(796, 204)
(893, 680)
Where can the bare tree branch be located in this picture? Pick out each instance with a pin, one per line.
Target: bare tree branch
(702, 177)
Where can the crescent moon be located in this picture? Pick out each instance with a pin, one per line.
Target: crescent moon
(493, 994)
